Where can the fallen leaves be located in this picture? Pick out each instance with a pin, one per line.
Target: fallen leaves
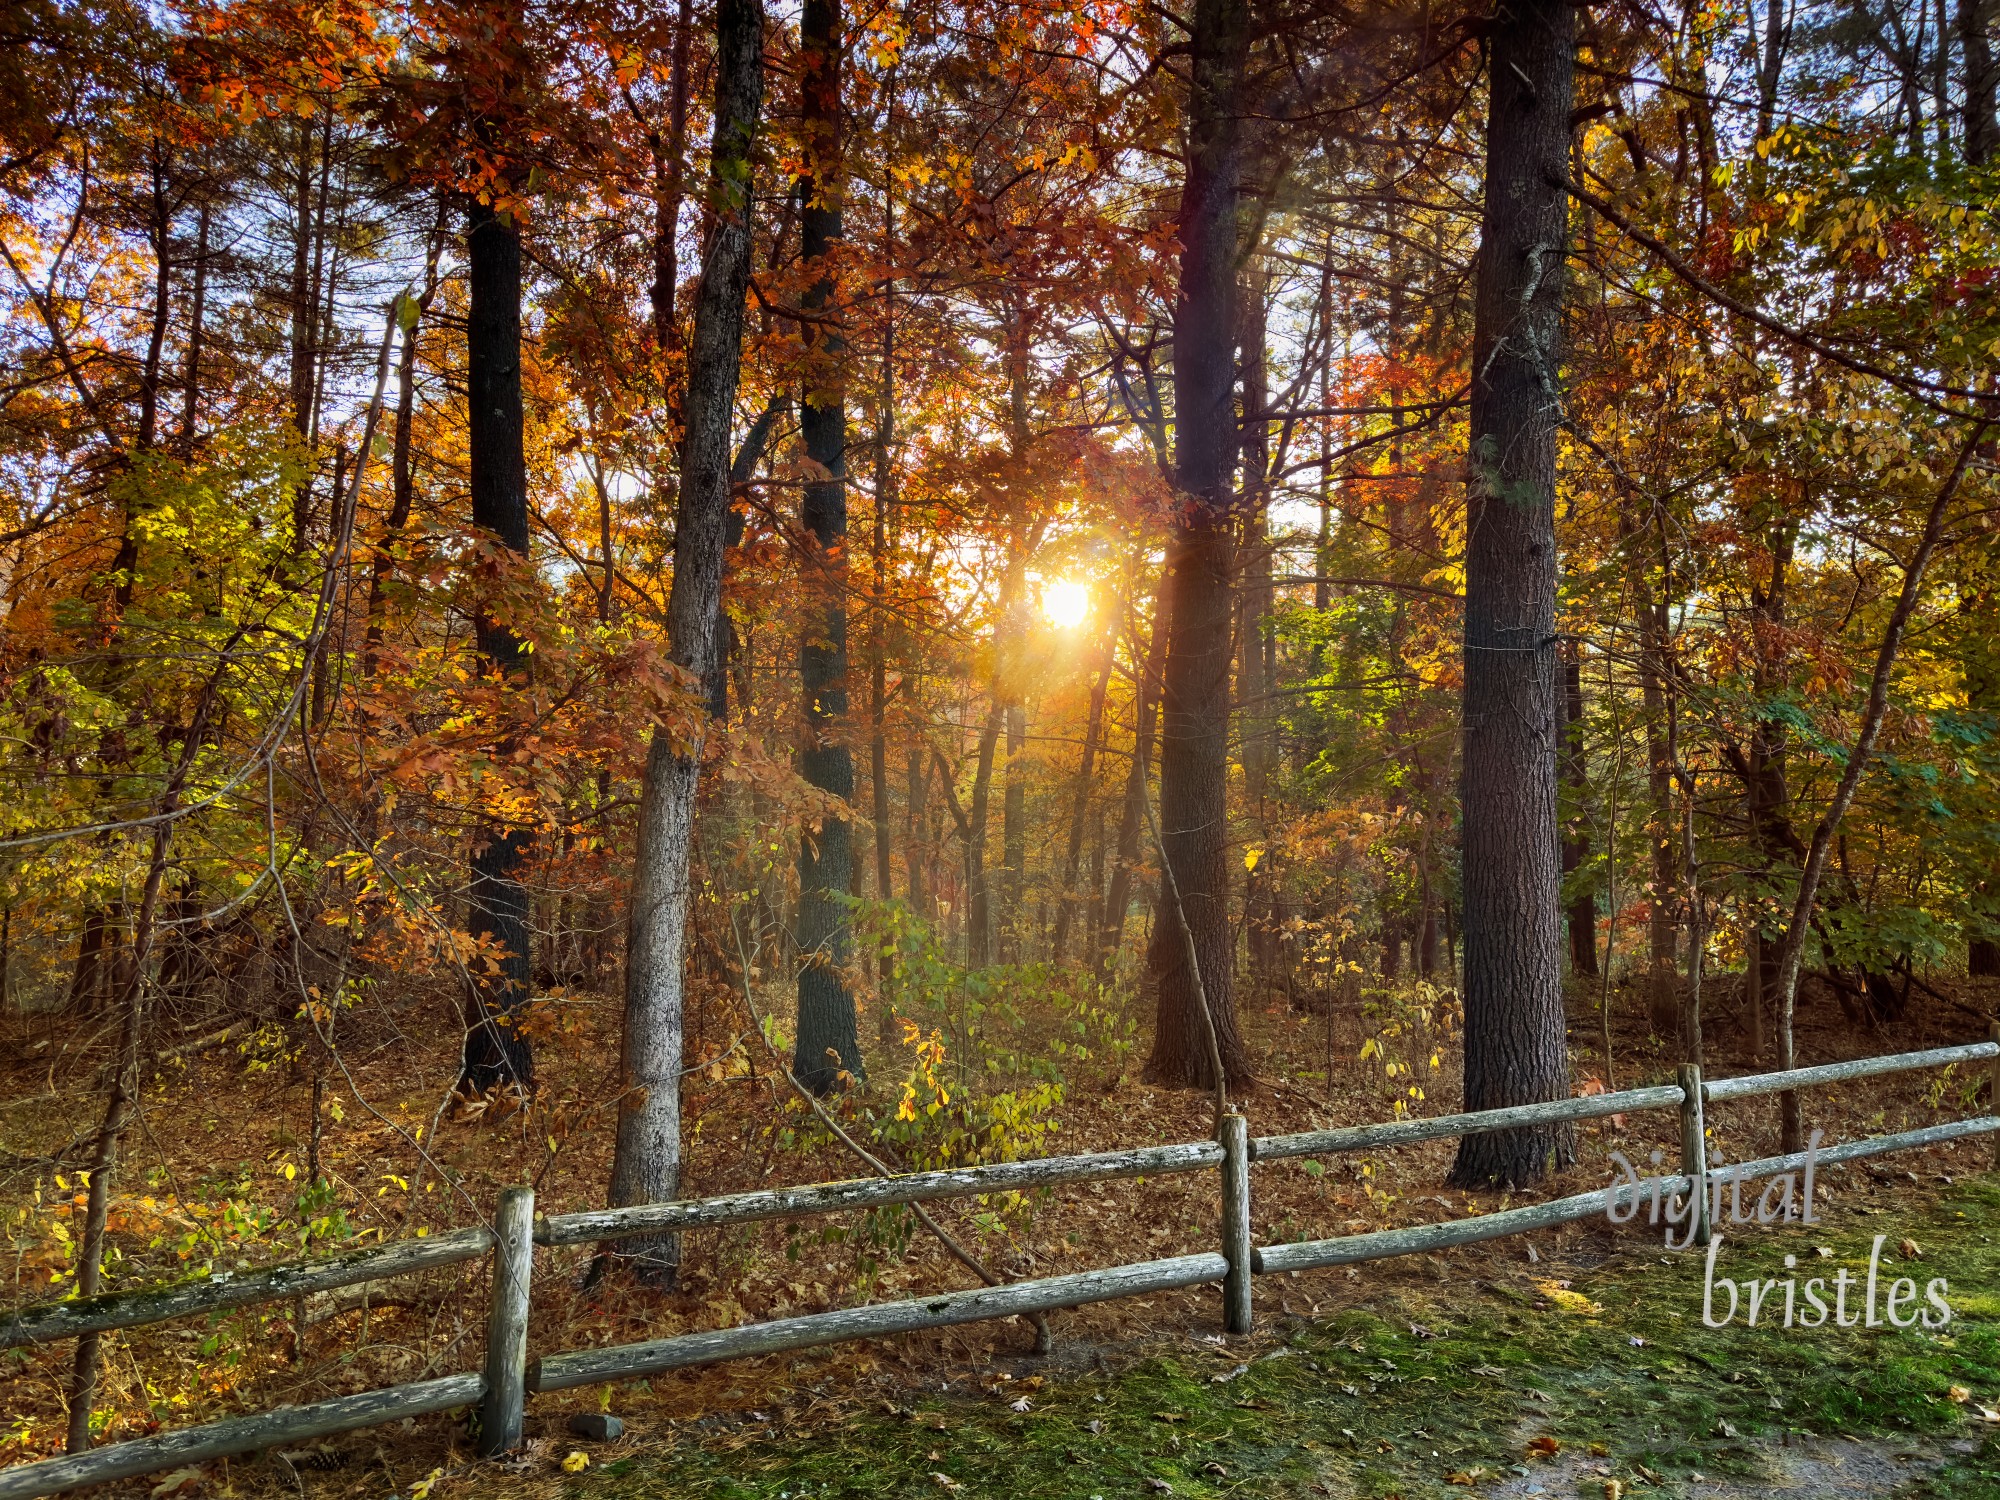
(1544, 1446)
(576, 1462)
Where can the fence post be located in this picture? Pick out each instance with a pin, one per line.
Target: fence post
(1237, 1316)
(1993, 1101)
(1694, 1146)
(503, 1410)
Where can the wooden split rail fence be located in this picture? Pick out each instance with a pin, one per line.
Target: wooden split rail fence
(500, 1390)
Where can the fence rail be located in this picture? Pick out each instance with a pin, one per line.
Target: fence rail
(510, 1374)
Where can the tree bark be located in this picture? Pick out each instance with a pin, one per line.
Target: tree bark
(1982, 80)
(827, 1040)
(1576, 835)
(1196, 586)
(1514, 1023)
(646, 1164)
(495, 1051)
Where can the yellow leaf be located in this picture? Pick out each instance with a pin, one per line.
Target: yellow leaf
(1250, 858)
(577, 1462)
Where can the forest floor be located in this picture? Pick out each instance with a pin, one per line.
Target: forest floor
(218, 1168)
(1491, 1376)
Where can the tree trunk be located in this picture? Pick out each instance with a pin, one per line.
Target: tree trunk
(1514, 1024)
(1014, 833)
(1253, 636)
(916, 833)
(978, 881)
(1132, 816)
(197, 319)
(86, 979)
(1195, 588)
(827, 1042)
(495, 1051)
(1086, 772)
(1576, 836)
(646, 1165)
(669, 174)
(878, 625)
(1982, 79)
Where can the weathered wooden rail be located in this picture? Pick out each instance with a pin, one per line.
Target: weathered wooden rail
(510, 1374)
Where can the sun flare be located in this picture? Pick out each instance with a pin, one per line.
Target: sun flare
(1066, 603)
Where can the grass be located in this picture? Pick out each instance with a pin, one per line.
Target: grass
(1438, 1394)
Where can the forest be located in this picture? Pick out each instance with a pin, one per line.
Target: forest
(657, 599)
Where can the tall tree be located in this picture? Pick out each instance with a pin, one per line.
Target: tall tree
(496, 1052)
(646, 1165)
(1195, 594)
(1514, 1032)
(827, 1040)
(1982, 80)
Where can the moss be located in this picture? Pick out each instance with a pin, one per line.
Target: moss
(1398, 1398)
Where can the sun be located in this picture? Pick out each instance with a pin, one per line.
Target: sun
(1066, 603)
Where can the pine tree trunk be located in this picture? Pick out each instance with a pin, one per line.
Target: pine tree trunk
(1514, 1023)
(827, 1041)
(495, 1051)
(1196, 603)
